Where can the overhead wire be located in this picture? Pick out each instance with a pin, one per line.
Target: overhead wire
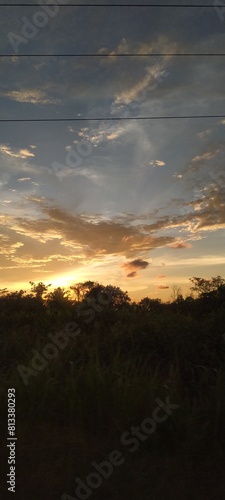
(192, 6)
(111, 55)
(166, 54)
(113, 118)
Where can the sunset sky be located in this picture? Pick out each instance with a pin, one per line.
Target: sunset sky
(139, 204)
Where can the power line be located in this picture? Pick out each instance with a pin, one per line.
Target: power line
(108, 119)
(108, 5)
(118, 55)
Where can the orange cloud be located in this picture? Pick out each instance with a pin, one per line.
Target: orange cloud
(180, 244)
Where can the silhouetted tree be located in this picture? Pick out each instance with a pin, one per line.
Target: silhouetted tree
(113, 294)
(12, 301)
(176, 292)
(150, 304)
(58, 299)
(204, 287)
(39, 289)
(189, 299)
(80, 289)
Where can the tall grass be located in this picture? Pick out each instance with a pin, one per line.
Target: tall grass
(110, 376)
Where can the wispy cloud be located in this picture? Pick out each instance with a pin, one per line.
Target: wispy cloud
(148, 81)
(21, 153)
(8, 247)
(203, 159)
(155, 163)
(24, 179)
(128, 46)
(204, 134)
(179, 244)
(206, 156)
(33, 96)
(105, 132)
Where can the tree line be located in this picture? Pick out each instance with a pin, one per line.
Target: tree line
(204, 292)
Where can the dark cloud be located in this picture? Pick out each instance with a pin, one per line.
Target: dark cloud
(133, 265)
(138, 263)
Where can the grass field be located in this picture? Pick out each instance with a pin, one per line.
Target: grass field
(104, 383)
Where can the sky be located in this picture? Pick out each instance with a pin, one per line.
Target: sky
(137, 204)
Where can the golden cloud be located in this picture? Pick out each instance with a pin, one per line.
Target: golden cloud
(22, 153)
(33, 96)
(179, 244)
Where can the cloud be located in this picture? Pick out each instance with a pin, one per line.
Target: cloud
(177, 176)
(122, 48)
(162, 287)
(133, 265)
(179, 244)
(156, 163)
(51, 230)
(204, 134)
(206, 156)
(108, 236)
(105, 132)
(209, 209)
(88, 173)
(202, 159)
(25, 153)
(8, 247)
(21, 153)
(161, 276)
(112, 136)
(23, 179)
(159, 44)
(150, 81)
(33, 96)
(136, 264)
(132, 274)
(139, 263)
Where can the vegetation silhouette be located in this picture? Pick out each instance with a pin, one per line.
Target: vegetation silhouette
(107, 379)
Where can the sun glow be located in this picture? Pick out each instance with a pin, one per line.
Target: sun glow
(67, 279)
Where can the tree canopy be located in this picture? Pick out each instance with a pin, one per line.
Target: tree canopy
(203, 286)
